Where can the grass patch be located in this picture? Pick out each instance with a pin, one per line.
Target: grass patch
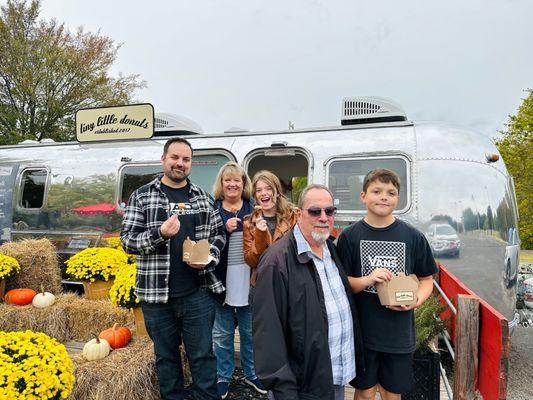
(526, 256)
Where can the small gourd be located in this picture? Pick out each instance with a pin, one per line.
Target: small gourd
(20, 297)
(117, 336)
(96, 349)
(43, 299)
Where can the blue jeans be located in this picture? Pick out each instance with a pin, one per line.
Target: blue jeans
(223, 339)
(189, 318)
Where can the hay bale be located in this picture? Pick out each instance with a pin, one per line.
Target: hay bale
(38, 265)
(126, 374)
(70, 318)
(51, 320)
(87, 318)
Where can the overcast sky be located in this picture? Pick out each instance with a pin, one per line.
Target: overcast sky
(258, 64)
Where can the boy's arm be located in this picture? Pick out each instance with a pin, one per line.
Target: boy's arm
(378, 275)
(425, 288)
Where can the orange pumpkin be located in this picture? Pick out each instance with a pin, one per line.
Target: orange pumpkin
(20, 297)
(117, 336)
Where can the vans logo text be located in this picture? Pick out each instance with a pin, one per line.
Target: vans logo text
(383, 261)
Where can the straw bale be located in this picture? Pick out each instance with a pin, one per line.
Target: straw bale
(51, 320)
(87, 318)
(38, 265)
(71, 317)
(126, 374)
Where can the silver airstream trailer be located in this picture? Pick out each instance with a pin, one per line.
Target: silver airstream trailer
(455, 187)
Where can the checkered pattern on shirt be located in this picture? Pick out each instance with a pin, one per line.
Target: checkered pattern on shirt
(340, 323)
(146, 211)
(381, 254)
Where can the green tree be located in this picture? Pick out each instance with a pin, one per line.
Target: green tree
(516, 147)
(48, 72)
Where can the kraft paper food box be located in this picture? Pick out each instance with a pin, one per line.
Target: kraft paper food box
(400, 290)
(195, 252)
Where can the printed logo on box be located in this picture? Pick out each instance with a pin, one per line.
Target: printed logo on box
(405, 296)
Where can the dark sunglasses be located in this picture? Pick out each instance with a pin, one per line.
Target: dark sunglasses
(317, 212)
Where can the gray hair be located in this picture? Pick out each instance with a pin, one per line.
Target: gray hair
(312, 186)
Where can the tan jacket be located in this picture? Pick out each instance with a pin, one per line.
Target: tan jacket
(255, 242)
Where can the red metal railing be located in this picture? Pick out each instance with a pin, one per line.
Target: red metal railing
(493, 339)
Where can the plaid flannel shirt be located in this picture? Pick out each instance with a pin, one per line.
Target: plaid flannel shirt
(141, 235)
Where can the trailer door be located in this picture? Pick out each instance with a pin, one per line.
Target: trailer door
(292, 165)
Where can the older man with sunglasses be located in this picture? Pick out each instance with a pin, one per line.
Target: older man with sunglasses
(305, 327)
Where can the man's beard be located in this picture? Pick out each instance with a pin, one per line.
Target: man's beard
(319, 236)
(177, 178)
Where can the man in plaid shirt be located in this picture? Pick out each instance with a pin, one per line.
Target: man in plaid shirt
(174, 295)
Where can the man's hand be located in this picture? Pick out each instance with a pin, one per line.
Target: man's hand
(170, 227)
(232, 223)
(201, 265)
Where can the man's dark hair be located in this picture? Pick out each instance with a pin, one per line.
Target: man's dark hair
(383, 175)
(176, 140)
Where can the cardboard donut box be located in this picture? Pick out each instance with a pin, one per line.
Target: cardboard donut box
(400, 290)
(196, 252)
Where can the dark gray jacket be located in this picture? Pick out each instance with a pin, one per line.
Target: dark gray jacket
(290, 327)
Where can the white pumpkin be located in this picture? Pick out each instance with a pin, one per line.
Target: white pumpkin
(96, 349)
(43, 299)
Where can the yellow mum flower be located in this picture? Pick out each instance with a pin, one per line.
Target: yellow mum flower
(34, 366)
(96, 263)
(8, 266)
(122, 292)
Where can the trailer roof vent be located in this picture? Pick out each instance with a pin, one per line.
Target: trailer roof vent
(167, 124)
(366, 110)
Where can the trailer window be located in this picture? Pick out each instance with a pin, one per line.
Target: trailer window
(33, 185)
(134, 177)
(203, 173)
(346, 176)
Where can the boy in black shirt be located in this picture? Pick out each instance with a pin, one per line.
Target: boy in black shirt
(373, 250)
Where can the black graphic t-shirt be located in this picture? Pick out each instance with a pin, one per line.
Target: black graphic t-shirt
(183, 279)
(398, 247)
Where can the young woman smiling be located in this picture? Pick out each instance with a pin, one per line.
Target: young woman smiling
(272, 219)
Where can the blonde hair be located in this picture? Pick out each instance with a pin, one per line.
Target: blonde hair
(283, 206)
(232, 168)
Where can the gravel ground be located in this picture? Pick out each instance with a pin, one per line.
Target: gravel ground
(520, 380)
(520, 383)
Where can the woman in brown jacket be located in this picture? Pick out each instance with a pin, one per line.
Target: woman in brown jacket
(273, 217)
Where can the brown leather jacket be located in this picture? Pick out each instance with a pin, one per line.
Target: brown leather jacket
(255, 242)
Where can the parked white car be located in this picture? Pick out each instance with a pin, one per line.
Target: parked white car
(443, 240)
